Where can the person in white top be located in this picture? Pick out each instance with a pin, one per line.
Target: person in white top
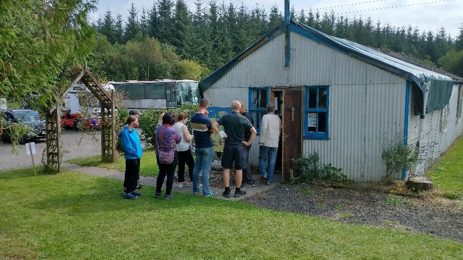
(269, 137)
(184, 150)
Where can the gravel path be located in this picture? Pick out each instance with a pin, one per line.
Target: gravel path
(75, 144)
(426, 214)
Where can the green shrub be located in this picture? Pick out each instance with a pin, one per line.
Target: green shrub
(398, 156)
(149, 119)
(308, 169)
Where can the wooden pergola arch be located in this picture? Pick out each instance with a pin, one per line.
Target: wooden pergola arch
(108, 123)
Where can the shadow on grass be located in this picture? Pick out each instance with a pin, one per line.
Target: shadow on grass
(24, 173)
(105, 195)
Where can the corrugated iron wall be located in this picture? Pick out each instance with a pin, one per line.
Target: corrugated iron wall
(366, 103)
(435, 138)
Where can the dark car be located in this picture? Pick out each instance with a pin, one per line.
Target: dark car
(26, 117)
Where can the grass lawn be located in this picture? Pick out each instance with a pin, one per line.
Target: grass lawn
(75, 216)
(148, 165)
(447, 174)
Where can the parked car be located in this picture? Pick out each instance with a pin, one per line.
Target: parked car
(26, 117)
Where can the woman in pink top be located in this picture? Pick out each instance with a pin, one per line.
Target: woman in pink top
(167, 139)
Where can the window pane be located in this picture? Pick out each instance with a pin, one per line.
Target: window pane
(255, 98)
(255, 116)
(322, 98)
(263, 98)
(155, 91)
(312, 98)
(135, 91)
(322, 122)
(312, 123)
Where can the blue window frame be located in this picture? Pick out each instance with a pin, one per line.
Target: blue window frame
(316, 119)
(258, 100)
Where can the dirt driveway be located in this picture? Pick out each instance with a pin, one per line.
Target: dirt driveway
(75, 144)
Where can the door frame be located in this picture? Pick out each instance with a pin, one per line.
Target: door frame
(285, 176)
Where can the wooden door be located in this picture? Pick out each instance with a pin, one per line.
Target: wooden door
(292, 136)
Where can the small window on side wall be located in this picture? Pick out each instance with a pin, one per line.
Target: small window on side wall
(316, 112)
(258, 100)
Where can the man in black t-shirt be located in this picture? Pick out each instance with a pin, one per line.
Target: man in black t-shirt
(235, 126)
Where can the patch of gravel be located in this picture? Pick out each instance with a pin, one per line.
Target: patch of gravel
(426, 214)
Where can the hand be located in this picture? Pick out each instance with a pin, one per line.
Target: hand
(246, 143)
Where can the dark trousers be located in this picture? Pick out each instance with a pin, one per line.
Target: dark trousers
(132, 174)
(185, 157)
(166, 170)
(247, 175)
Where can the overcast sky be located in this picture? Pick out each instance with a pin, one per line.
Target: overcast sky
(428, 15)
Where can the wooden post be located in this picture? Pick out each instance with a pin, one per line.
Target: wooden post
(103, 133)
(58, 136)
(113, 128)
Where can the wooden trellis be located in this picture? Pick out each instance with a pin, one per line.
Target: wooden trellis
(108, 123)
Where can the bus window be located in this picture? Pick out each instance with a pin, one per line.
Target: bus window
(187, 92)
(155, 91)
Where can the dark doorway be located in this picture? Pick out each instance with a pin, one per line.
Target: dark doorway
(277, 99)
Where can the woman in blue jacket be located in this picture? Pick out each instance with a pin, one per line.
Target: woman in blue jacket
(132, 152)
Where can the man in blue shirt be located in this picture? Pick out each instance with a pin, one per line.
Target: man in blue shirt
(235, 126)
(202, 129)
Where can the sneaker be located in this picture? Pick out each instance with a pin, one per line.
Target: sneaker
(239, 193)
(183, 184)
(130, 196)
(168, 197)
(157, 195)
(263, 179)
(267, 182)
(211, 194)
(226, 193)
(136, 193)
(249, 184)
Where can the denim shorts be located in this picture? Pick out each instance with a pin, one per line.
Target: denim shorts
(233, 154)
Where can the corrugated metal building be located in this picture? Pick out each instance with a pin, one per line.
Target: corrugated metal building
(339, 99)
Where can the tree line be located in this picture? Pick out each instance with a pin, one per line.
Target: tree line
(42, 44)
(212, 34)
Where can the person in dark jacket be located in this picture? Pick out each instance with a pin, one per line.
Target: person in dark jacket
(133, 152)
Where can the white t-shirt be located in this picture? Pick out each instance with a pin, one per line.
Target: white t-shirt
(183, 145)
(270, 130)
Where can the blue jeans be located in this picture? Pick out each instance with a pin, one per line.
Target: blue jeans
(204, 156)
(267, 159)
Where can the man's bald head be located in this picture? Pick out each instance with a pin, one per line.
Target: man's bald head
(236, 105)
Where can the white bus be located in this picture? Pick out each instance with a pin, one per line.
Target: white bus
(158, 94)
